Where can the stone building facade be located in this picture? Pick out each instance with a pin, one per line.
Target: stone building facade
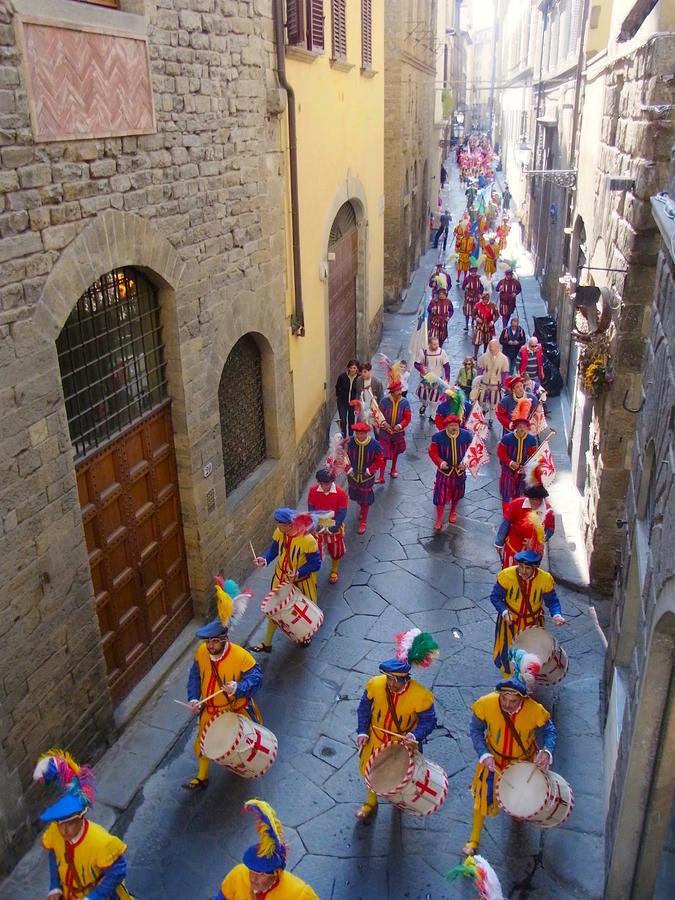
(640, 723)
(148, 211)
(409, 159)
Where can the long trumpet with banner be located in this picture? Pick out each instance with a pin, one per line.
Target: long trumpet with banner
(419, 337)
(540, 468)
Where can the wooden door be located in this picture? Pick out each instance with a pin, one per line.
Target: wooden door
(132, 522)
(342, 303)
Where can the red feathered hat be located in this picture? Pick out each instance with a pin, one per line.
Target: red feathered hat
(449, 420)
(360, 426)
(522, 412)
(510, 383)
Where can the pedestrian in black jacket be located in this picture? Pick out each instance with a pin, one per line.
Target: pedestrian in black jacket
(512, 339)
(345, 391)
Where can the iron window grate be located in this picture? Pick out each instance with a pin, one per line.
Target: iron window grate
(242, 421)
(111, 358)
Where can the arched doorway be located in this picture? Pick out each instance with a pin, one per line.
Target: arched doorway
(343, 246)
(111, 361)
(242, 414)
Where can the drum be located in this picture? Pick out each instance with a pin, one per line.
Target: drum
(407, 779)
(239, 744)
(296, 616)
(528, 793)
(554, 661)
(221, 737)
(256, 753)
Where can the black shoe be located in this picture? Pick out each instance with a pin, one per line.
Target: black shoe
(423, 409)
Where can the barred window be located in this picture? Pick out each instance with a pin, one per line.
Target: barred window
(366, 34)
(339, 15)
(111, 358)
(242, 420)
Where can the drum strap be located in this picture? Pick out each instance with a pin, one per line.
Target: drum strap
(392, 712)
(216, 675)
(514, 733)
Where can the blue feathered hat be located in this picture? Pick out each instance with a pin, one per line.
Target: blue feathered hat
(513, 684)
(284, 515)
(529, 557)
(76, 781)
(394, 667)
(269, 854)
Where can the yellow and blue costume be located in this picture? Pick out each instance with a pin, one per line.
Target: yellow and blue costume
(409, 710)
(91, 864)
(266, 858)
(297, 552)
(524, 600)
(493, 733)
(237, 886)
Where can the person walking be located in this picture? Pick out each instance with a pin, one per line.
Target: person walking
(512, 339)
(346, 391)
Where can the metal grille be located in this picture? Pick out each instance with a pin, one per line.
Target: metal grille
(242, 421)
(111, 358)
(344, 221)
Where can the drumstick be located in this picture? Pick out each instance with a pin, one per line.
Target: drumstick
(392, 733)
(253, 553)
(202, 699)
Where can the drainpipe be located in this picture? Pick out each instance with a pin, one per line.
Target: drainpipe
(298, 318)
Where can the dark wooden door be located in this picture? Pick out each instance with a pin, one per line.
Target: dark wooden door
(132, 522)
(342, 302)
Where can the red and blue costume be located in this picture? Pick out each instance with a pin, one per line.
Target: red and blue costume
(508, 289)
(507, 406)
(331, 540)
(516, 530)
(513, 452)
(446, 407)
(396, 411)
(449, 486)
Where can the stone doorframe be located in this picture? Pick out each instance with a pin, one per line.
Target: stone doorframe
(350, 191)
(111, 241)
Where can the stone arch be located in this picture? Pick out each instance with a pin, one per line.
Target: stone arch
(352, 191)
(647, 786)
(112, 240)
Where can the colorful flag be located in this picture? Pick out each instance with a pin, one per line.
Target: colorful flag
(540, 468)
(538, 423)
(418, 339)
(476, 422)
(476, 456)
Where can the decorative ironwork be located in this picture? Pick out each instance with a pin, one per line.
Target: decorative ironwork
(111, 358)
(242, 421)
(566, 178)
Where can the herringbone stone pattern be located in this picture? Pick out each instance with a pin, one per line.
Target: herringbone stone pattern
(85, 84)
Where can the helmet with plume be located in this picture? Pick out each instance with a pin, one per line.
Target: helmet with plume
(454, 405)
(414, 648)
(361, 416)
(393, 370)
(534, 480)
(77, 783)
(269, 854)
(230, 606)
(433, 381)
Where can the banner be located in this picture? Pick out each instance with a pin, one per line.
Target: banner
(476, 456)
(540, 468)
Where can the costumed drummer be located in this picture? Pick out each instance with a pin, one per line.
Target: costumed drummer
(519, 595)
(503, 732)
(298, 561)
(326, 496)
(262, 873)
(224, 669)
(395, 702)
(85, 861)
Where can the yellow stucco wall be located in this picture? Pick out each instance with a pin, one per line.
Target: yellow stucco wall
(340, 137)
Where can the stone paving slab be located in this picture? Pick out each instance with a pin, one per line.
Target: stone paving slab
(400, 573)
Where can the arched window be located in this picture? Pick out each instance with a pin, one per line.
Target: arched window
(242, 420)
(111, 358)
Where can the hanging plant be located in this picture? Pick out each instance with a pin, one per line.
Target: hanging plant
(595, 365)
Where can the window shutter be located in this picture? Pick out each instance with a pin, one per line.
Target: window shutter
(366, 34)
(339, 12)
(315, 39)
(295, 22)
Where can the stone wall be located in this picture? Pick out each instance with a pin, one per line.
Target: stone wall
(635, 144)
(409, 133)
(197, 205)
(643, 614)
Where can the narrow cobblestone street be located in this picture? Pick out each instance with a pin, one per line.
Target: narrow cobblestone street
(399, 575)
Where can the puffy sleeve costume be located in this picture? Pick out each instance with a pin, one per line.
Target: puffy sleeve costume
(449, 486)
(395, 412)
(94, 866)
(237, 886)
(365, 457)
(295, 553)
(516, 529)
(524, 600)
(517, 450)
(491, 734)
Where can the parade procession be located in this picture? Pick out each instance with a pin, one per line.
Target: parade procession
(337, 506)
(398, 727)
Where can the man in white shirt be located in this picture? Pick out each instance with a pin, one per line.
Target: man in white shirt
(495, 366)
